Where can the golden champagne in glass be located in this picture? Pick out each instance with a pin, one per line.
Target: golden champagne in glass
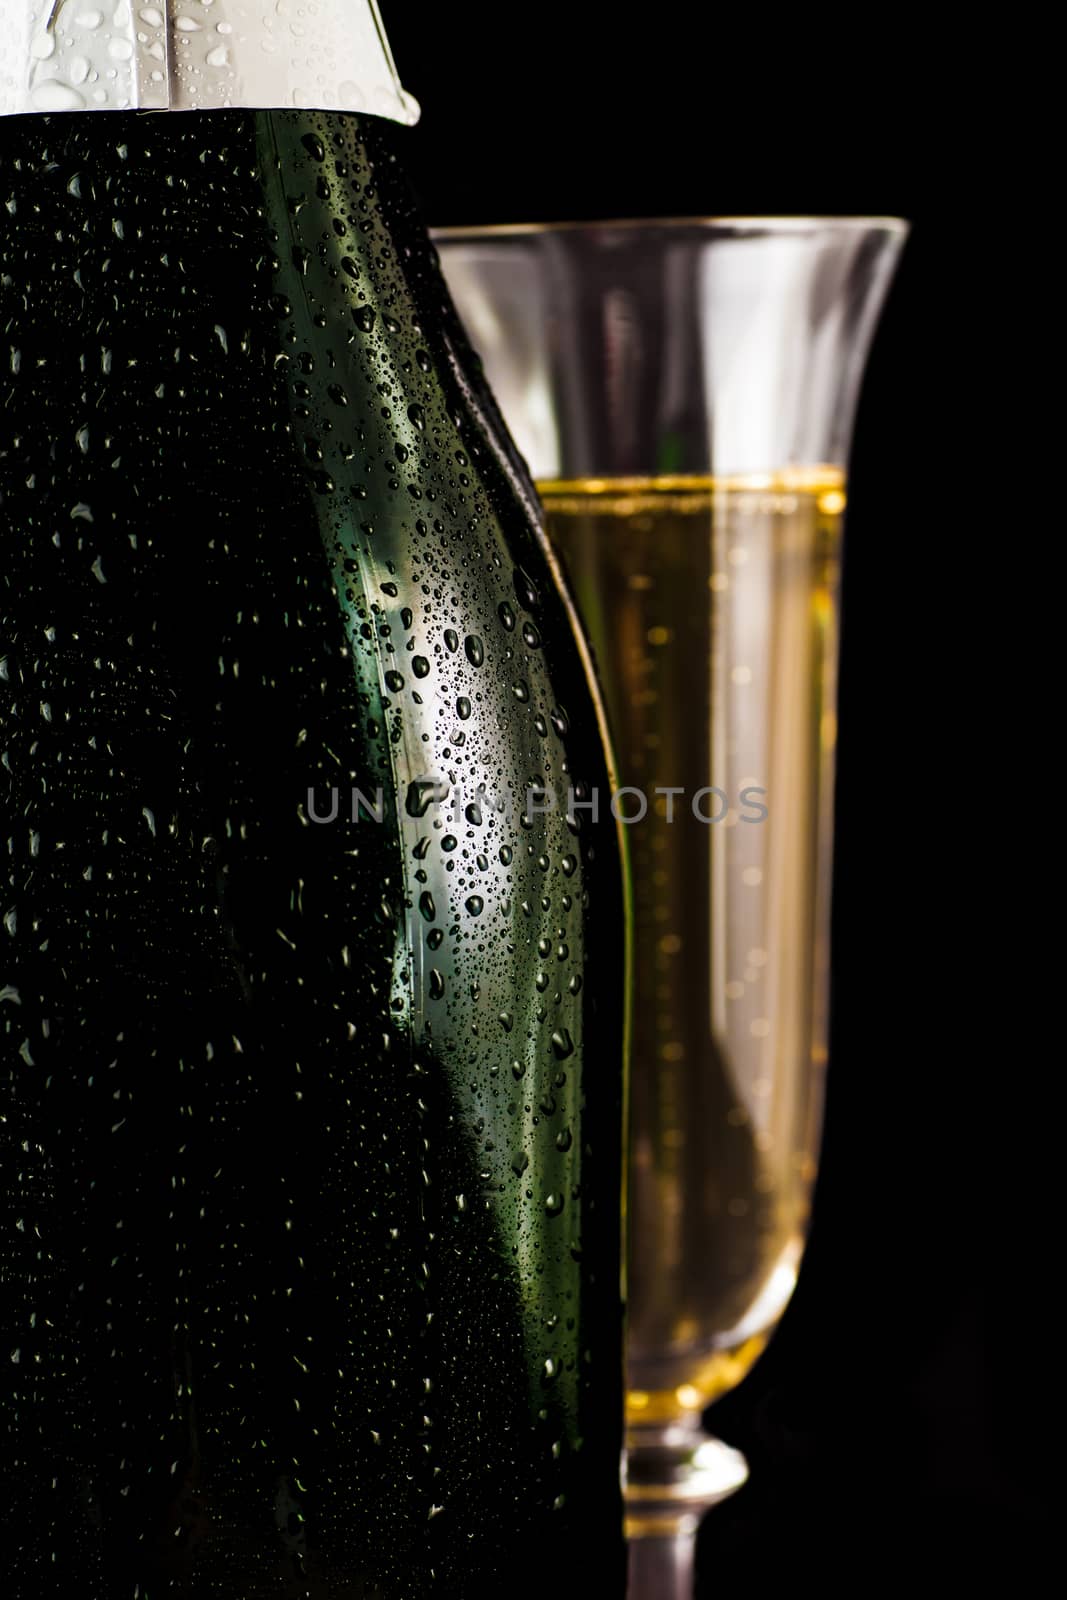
(715, 641)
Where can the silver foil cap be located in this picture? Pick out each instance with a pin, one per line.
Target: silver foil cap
(198, 55)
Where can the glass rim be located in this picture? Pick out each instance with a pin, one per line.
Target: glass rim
(769, 223)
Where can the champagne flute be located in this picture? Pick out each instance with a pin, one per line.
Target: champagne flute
(684, 393)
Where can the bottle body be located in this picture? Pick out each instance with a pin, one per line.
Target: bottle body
(312, 1155)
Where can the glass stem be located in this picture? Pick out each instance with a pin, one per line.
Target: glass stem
(662, 1568)
(674, 1473)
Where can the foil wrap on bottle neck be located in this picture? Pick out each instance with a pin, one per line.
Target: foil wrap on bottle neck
(198, 55)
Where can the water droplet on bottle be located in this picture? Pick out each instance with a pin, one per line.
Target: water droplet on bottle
(526, 589)
(363, 317)
(530, 636)
(475, 649)
(475, 904)
(420, 666)
(520, 1163)
(558, 718)
(52, 95)
(553, 1204)
(423, 793)
(506, 615)
(416, 416)
(463, 708)
(451, 639)
(564, 1139)
(394, 681)
(562, 1044)
(437, 984)
(426, 905)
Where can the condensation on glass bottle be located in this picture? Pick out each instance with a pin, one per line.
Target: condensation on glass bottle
(311, 956)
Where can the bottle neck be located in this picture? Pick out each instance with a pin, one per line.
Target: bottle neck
(185, 206)
(277, 238)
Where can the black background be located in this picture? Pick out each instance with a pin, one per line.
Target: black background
(897, 1420)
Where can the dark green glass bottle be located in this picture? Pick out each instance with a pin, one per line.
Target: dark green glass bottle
(311, 1150)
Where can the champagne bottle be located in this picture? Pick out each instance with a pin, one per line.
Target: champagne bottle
(311, 951)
